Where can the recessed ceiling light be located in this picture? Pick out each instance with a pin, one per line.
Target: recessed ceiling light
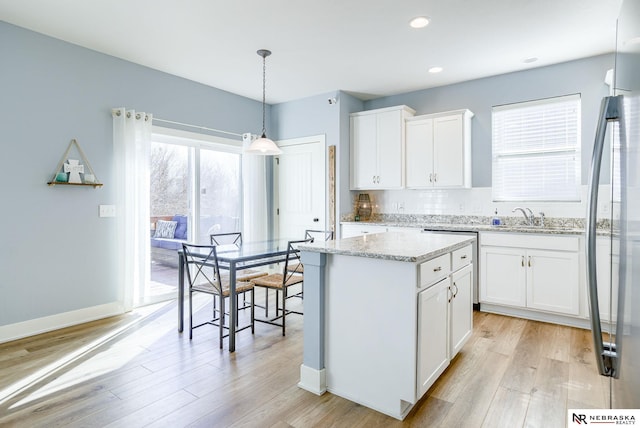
(530, 60)
(419, 22)
(435, 70)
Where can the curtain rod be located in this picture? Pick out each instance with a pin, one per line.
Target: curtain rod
(197, 126)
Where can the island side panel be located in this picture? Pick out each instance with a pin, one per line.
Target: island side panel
(370, 331)
(312, 373)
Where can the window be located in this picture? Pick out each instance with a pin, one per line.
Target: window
(536, 150)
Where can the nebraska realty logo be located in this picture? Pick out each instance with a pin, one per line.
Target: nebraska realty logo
(581, 417)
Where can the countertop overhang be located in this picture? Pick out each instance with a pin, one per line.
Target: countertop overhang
(398, 246)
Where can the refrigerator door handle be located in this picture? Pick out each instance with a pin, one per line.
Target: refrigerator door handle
(606, 356)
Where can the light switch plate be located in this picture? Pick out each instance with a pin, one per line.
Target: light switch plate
(107, 211)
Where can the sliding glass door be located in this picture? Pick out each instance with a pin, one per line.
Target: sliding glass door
(220, 207)
(195, 190)
(169, 202)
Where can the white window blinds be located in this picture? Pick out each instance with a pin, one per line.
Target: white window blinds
(536, 150)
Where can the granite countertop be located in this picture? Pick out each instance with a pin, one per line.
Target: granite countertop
(459, 223)
(556, 230)
(398, 246)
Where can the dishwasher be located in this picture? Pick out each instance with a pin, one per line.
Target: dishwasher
(474, 248)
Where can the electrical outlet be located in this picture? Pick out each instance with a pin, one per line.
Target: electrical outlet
(107, 211)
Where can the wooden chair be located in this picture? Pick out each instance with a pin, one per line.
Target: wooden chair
(203, 275)
(282, 282)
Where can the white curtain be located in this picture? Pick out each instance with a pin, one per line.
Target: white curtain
(254, 194)
(131, 144)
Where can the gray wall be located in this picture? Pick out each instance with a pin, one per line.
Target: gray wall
(56, 254)
(583, 76)
(315, 116)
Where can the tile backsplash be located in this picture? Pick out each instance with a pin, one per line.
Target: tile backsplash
(476, 201)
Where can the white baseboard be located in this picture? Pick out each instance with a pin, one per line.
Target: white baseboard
(312, 380)
(54, 322)
(536, 315)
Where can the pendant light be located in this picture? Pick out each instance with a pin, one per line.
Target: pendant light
(263, 145)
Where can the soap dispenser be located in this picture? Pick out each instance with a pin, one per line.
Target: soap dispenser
(496, 220)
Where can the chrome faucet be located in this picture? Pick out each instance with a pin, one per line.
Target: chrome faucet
(528, 217)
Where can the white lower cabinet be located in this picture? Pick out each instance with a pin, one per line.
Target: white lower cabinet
(531, 271)
(445, 314)
(502, 278)
(552, 281)
(460, 309)
(433, 344)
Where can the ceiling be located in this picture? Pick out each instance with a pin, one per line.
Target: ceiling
(363, 47)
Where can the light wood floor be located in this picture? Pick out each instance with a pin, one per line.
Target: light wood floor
(136, 370)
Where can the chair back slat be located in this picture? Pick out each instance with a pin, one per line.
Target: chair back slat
(202, 265)
(231, 238)
(324, 235)
(293, 257)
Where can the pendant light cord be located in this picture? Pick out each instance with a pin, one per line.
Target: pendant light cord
(264, 53)
(264, 92)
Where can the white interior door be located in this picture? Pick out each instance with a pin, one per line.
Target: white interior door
(300, 187)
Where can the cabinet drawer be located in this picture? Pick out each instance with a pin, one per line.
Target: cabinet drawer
(530, 240)
(461, 257)
(435, 269)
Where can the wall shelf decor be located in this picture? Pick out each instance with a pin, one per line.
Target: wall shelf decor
(72, 172)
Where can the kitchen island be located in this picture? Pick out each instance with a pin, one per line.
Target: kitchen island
(384, 315)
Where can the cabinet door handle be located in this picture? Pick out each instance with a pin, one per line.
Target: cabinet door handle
(430, 178)
(438, 269)
(373, 179)
(449, 294)
(522, 262)
(529, 262)
(456, 293)
(435, 177)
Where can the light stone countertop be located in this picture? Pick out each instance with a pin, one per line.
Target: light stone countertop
(474, 223)
(475, 227)
(398, 246)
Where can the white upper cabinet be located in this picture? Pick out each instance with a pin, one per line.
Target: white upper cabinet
(377, 148)
(438, 150)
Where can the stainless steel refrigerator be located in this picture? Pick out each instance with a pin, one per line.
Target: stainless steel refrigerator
(614, 292)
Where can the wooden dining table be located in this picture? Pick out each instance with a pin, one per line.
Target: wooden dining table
(234, 259)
